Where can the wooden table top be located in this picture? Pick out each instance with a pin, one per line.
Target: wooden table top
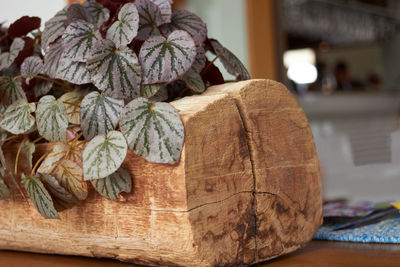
(316, 253)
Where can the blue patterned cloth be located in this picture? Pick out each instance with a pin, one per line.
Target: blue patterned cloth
(387, 231)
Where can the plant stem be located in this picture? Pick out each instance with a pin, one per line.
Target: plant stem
(17, 157)
(9, 138)
(39, 161)
(72, 104)
(37, 140)
(43, 78)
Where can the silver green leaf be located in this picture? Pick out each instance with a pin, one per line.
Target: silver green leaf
(75, 13)
(51, 118)
(72, 71)
(125, 28)
(61, 196)
(39, 196)
(150, 90)
(52, 59)
(42, 87)
(7, 58)
(104, 155)
(78, 40)
(161, 95)
(200, 60)
(99, 114)
(150, 18)
(189, 22)
(28, 148)
(164, 60)
(153, 130)
(17, 118)
(165, 8)
(231, 63)
(194, 81)
(32, 65)
(116, 71)
(96, 12)
(54, 28)
(4, 190)
(111, 186)
(72, 102)
(10, 90)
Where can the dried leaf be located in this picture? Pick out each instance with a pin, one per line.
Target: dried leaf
(54, 28)
(17, 118)
(104, 155)
(150, 18)
(164, 60)
(73, 111)
(51, 118)
(111, 186)
(23, 26)
(10, 90)
(116, 71)
(7, 58)
(39, 196)
(125, 28)
(99, 114)
(153, 130)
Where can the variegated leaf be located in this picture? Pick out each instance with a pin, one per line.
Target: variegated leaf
(231, 63)
(111, 186)
(194, 81)
(62, 198)
(116, 71)
(11, 71)
(189, 22)
(39, 196)
(51, 118)
(161, 95)
(78, 40)
(104, 155)
(28, 148)
(153, 130)
(97, 13)
(200, 60)
(125, 28)
(4, 191)
(165, 8)
(7, 58)
(42, 87)
(149, 19)
(54, 28)
(10, 90)
(17, 118)
(52, 59)
(150, 90)
(76, 12)
(99, 114)
(72, 71)
(164, 60)
(73, 111)
(32, 65)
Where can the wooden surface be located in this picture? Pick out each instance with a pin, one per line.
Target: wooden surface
(314, 254)
(247, 189)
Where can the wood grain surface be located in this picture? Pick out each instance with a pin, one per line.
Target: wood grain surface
(246, 189)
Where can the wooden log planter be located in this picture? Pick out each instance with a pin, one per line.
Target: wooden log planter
(247, 189)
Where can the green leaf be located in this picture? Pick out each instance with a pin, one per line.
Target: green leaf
(52, 59)
(125, 28)
(164, 60)
(165, 8)
(17, 118)
(10, 90)
(62, 198)
(32, 65)
(153, 130)
(111, 186)
(73, 111)
(7, 58)
(54, 28)
(231, 63)
(39, 196)
(117, 72)
(194, 82)
(52, 120)
(28, 148)
(150, 90)
(149, 19)
(96, 12)
(160, 96)
(78, 40)
(99, 114)
(72, 71)
(104, 155)
(189, 22)
(4, 190)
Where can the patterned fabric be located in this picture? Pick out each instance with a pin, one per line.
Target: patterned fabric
(387, 231)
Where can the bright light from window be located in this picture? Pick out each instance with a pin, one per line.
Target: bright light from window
(302, 73)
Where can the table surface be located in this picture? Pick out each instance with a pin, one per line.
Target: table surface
(316, 253)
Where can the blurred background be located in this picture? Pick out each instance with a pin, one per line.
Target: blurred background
(341, 58)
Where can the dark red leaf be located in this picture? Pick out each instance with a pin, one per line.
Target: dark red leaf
(23, 26)
(211, 74)
(113, 5)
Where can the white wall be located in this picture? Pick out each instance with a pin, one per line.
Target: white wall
(12, 10)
